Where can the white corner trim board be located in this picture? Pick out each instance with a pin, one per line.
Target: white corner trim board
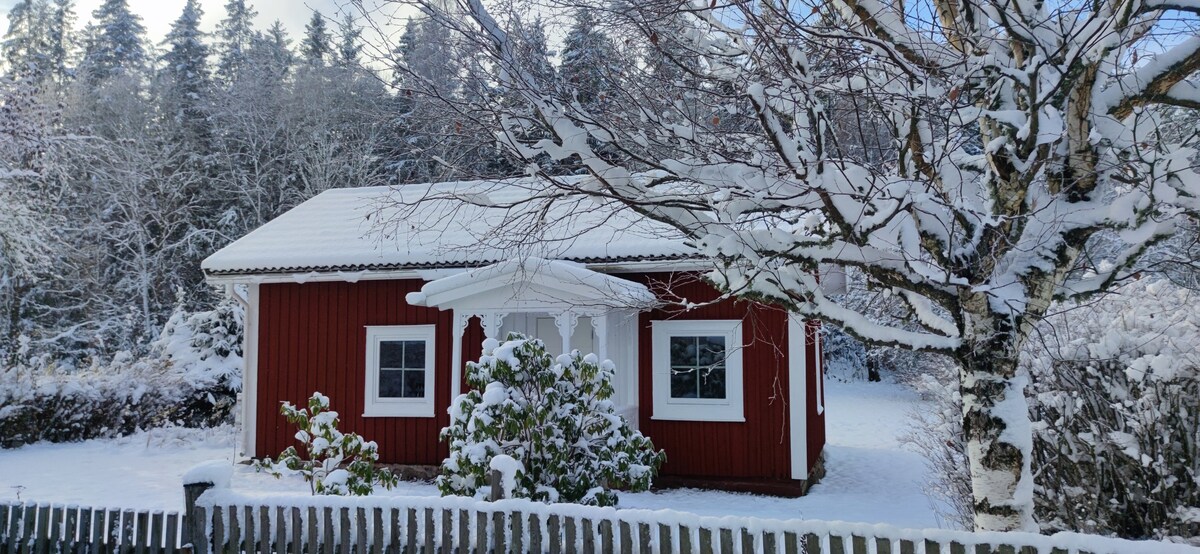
(376, 406)
(798, 394)
(730, 408)
(249, 370)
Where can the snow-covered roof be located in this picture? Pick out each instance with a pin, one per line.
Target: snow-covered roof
(445, 225)
(532, 282)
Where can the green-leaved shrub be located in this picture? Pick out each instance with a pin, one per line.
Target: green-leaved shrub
(335, 463)
(553, 416)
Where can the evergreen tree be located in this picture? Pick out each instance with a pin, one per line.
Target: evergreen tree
(589, 61)
(115, 41)
(534, 53)
(349, 48)
(317, 45)
(271, 53)
(27, 43)
(235, 36)
(426, 142)
(61, 37)
(186, 69)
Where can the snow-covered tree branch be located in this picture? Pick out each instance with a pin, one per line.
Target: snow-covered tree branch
(1020, 162)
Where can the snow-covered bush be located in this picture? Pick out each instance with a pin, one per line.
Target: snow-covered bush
(191, 378)
(845, 356)
(937, 435)
(334, 463)
(554, 418)
(119, 398)
(205, 347)
(1117, 420)
(205, 350)
(1113, 387)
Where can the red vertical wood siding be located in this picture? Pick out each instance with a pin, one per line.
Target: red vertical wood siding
(312, 337)
(756, 448)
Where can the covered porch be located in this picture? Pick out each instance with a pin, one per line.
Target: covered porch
(565, 305)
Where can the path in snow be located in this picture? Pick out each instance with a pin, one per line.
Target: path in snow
(870, 478)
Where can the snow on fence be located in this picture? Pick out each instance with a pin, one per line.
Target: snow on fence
(229, 522)
(32, 527)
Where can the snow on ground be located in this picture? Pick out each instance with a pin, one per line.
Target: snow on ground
(870, 477)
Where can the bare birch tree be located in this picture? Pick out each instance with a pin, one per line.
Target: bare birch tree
(1017, 136)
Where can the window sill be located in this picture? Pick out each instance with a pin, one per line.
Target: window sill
(699, 420)
(421, 412)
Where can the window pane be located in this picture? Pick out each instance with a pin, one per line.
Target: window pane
(391, 384)
(683, 351)
(683, 382)
(712, 382)
(711, 351)
(414, 384)
(391, 354)
(414, 354)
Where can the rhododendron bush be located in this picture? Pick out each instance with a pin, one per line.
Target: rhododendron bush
(555, 417)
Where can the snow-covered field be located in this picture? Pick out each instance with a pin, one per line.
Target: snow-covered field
(870, 478)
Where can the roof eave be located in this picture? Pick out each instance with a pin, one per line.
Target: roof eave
(378, 272)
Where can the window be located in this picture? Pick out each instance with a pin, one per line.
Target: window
(697, 367)
(399, 371)
(698, 370)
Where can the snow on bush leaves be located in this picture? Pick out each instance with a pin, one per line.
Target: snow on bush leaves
(554, 417)
(205, 347)
(1118, 438)
(1113, 396)
(334, 463)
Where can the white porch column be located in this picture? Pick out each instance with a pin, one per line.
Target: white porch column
(566, 322)
(456, 362)
(600, 326)
(491, 324)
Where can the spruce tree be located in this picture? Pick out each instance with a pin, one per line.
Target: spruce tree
(115, 42)
(61, 35)
(534, 53)
(425, 71)
(589, 61)
(235, 34)
(271, 53)
(27, 42)
(186, 68)
(349, 48)
(316, 46)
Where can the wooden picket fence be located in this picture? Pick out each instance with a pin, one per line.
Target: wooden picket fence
(38, 528)
(235, 525)
(448, 525)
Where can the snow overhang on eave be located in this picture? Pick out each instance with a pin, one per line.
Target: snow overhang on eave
(429, 272)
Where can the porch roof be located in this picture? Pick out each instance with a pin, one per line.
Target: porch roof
(532, 284)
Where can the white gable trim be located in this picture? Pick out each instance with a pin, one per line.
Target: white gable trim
(797, 395)
(531, 284)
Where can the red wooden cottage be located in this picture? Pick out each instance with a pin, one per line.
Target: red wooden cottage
(377, 296)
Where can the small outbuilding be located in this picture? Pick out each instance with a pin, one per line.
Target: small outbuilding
(377, 297)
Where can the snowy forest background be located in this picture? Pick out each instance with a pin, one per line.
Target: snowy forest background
(124, 162)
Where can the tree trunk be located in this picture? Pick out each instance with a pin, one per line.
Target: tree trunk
(997, 429)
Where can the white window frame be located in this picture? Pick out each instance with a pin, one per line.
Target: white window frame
(373, 405)
(729, 409)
